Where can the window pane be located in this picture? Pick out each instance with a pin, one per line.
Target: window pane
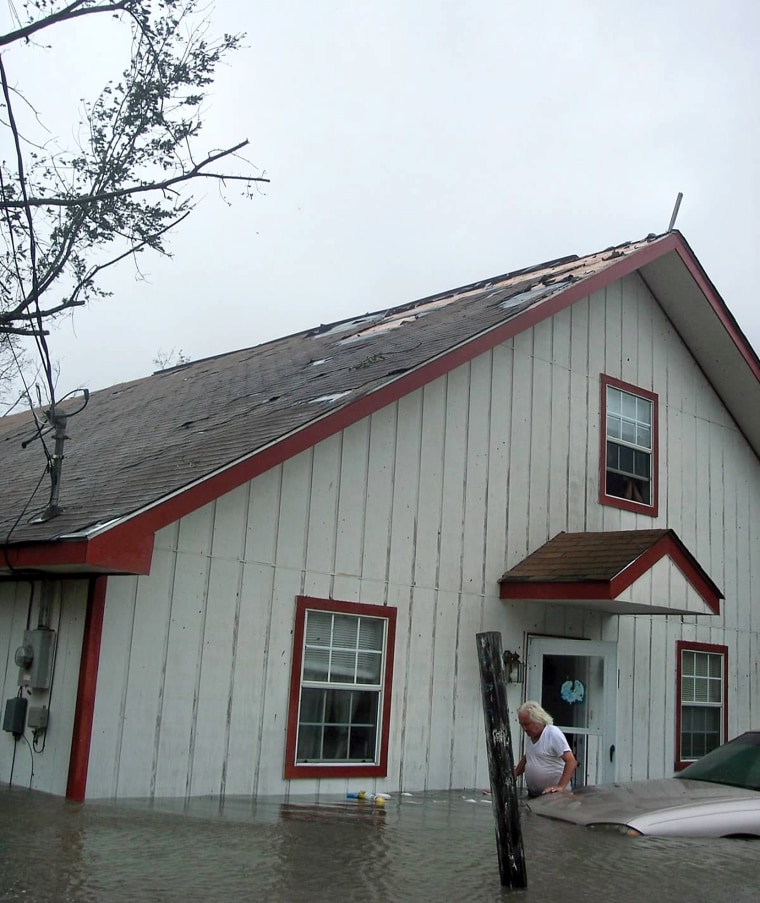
(368, 667)
(629, 405)
(643, 436)
(335, 743)
(362, 744)
(614, 400)
(625, 456)
(309, 743)
(312, 706)
(614, 427)
(716, 666)
(315, 664)
(641, 464)
(700, 665)
(318, 628)
(345, 629)
(700, 690)
(343, 667)
(365, 707)
(629, 431)
(371, 633)
(643, 410)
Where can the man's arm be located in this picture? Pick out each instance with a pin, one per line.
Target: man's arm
(520, 767)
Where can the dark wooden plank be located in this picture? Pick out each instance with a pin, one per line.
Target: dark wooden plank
(501, 765)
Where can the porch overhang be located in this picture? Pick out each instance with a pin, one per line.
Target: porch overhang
(619, 572)
(105, 553)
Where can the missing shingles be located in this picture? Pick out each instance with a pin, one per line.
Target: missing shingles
(368, 361)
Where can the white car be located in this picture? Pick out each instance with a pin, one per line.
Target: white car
(717, 796)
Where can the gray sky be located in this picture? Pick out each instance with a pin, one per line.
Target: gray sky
(414, 146)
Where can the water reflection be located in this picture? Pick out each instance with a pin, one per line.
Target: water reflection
(436, 846)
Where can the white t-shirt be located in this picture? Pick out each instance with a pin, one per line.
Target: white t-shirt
(543, 759)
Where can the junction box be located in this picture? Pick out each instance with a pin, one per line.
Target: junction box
(15, 716)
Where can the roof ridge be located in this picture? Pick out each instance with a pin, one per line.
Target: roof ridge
(414, 303)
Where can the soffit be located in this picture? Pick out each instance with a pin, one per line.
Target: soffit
(711, 333)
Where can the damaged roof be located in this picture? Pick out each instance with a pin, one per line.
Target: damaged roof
(139, 443)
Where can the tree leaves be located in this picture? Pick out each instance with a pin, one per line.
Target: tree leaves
(66, 216)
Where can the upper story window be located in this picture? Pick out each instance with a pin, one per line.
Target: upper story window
(702, 691)
(628, 477)
(340, 690)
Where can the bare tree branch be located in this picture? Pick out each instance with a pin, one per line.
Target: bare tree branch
(73, 11)
(195, 172)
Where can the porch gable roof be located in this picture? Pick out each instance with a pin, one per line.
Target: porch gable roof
(621, 572)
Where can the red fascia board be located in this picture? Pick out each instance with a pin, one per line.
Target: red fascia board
(213, 487)
(556, 590)
(79, 758)
(107, 553)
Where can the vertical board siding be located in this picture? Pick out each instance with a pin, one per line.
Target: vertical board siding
(69, 625)
(499, 464)
(21, 763)
(476, 477)
(423, 505)
(249, 665)
(111, 722)
(405, 500)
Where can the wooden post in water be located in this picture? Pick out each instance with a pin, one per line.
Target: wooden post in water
(493, 686)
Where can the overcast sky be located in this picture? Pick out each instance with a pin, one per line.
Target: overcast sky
(414, 146)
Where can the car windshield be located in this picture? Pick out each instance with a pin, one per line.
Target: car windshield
(736, 763)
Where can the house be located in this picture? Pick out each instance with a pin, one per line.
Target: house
(263, 573)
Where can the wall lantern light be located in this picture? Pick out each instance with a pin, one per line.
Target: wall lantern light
(513, 667)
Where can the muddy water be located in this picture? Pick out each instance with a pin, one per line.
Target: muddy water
(428, 847)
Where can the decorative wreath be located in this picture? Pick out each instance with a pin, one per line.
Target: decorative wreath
(573, 691)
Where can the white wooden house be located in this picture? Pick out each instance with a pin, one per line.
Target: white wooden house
(265, 571)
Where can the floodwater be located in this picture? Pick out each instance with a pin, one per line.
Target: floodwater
(426, 847)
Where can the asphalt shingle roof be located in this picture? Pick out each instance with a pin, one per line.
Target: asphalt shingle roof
(138, 442)
(584, 557)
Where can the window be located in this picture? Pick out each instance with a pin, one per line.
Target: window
(628, 477)
(702, 713)
(339, 713)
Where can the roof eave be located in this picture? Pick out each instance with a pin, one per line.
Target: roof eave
(109, 553)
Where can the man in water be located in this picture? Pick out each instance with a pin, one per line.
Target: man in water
(548, 763)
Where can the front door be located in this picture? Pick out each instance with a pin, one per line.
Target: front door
(576, 682)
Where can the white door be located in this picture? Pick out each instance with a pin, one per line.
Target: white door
(576, 682)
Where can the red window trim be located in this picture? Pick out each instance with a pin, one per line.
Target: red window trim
(378, 769)
(689, 646)
(612, 500)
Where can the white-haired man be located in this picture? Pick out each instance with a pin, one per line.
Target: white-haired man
(548, 763)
